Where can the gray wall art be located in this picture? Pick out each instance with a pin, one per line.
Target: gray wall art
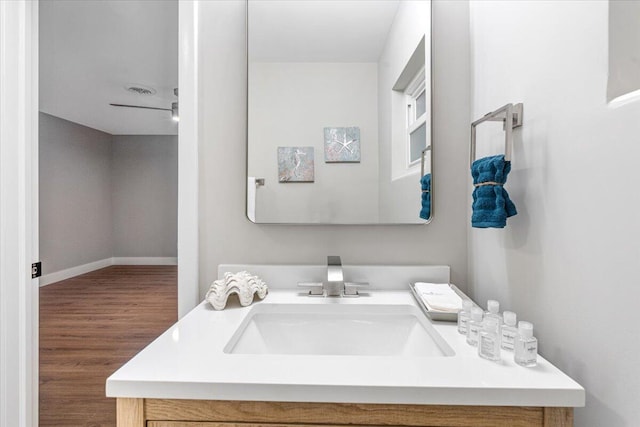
(342, 145)
(295, 164)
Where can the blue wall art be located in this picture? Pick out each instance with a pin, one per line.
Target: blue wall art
(342, 145)
(295, 164)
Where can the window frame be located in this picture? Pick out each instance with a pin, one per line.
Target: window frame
(414, 90)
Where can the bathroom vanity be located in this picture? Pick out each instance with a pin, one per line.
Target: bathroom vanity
(293, 359)
(203, 413)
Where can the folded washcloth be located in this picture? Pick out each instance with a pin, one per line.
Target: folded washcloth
(439, 297)
(425, 185)
(491, 203)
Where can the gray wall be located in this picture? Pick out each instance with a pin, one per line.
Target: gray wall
(75, 194)
(145, 195)
(290, 105)
(569, 260)
(624, 48)
(104, 196)
(227, 236)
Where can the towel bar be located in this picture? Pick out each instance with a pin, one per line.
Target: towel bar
(511, 117)
(422, 160)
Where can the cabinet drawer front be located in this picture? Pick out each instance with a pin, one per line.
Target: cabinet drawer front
(299, 414)
(215, 424)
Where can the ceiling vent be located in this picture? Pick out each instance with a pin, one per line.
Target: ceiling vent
(141, 90)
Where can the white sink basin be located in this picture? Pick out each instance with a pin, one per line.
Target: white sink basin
(339, 330)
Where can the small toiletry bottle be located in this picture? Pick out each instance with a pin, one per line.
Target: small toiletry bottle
(474, 326)
(489, 341)
(509, 331)
(464, 316)
(493, 308)
(526, 346)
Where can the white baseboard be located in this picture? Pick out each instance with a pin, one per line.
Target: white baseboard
(145, 261)
(68, 273)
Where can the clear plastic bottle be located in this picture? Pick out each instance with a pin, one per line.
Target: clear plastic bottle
(489, 340)
(526, 346)
(474, 326)
(509, 331)
(464, 316)
(493, 312)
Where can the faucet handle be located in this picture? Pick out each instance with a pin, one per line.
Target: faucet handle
(351, 288)
(315, 288)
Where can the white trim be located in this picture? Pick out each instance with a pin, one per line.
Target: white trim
(417, 84)
(33, 99)
(144, 261)
(18, 205)
(188, 286)
(68, 273)
(414, 89)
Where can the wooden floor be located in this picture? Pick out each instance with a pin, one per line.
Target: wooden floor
(89, 326)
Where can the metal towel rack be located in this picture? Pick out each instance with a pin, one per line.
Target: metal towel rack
(422, 160)
(511, 117)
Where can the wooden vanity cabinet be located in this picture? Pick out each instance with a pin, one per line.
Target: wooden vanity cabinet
(217, 413)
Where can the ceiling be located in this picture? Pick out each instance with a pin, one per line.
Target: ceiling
(91, 50)
(319, 30)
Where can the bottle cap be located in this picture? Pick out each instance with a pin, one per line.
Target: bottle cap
(509, 318)
(493, 306)
(476, 314)
(525, 329)
(466, 305)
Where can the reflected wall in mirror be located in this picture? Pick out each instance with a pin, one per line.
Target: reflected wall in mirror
(352, 81)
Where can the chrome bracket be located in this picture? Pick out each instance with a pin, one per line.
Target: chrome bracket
(511, 116)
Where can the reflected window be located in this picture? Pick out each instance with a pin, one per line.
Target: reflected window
(416, 134)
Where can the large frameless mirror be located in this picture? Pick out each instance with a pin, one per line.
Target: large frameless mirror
(339, 112)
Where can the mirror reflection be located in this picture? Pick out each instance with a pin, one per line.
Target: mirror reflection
(339, 112)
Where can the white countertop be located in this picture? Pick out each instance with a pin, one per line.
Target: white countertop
(188, 362)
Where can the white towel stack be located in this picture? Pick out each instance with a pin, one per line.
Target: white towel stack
(439, 297)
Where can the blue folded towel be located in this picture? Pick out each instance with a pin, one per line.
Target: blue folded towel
(425, 185)
(491, 203)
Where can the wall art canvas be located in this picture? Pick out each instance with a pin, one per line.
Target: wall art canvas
(342, 145)
(295, 164)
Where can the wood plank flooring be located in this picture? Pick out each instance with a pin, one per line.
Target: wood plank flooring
(91, 325)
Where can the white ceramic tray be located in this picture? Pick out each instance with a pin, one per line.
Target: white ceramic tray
(439, 315)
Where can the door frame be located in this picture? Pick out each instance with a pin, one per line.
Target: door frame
(188, 52)
(19, 237)
(18, 213)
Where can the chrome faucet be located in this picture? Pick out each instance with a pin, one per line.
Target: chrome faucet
(334, 286)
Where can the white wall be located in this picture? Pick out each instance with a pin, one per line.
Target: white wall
(145, 195)
(227, 236)
(290, 105)
(76, 221)
(568, 261)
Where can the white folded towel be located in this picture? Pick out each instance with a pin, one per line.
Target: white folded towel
(439, 297)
